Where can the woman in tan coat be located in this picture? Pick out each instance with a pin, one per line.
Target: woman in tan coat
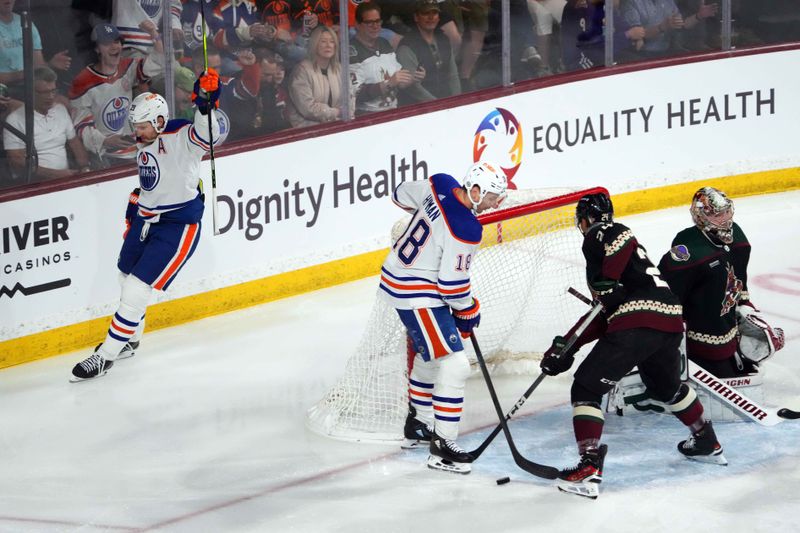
(315, 86)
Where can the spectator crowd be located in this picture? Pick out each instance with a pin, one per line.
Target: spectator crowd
(280, 60)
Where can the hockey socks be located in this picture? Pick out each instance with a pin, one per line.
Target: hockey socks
(127, 322)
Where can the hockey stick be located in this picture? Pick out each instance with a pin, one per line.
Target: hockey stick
(214, 207)
(543, 471)
(572, 340)
(733, 397)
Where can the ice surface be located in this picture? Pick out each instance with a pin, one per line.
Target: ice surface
(203, 431)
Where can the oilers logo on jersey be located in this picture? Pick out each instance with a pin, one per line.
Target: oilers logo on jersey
(149, 172)
(115, 113)
(151, 7)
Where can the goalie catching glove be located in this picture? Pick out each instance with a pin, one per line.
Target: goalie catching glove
(556, 360)
(206, 91)
(757, 339)
(468, 318)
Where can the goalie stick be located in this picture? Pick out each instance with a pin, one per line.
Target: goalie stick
(572, 340)
(543, 471)
(733, 397)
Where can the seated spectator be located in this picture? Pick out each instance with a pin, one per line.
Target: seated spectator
(546, 14)
(699, 28)
(272, 100)
(476, 24)
(315, 88)
(583, 41)
(426, 50)
(659, 18)
(101, 93)
(526, 63)
(139, 24)
(11, 60)
(374, 64)
(52, 132)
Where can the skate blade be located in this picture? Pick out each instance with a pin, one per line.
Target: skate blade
(588, 489)
(76, 379)
(714, 459)
(412, 444)
(126, 355)
(437, 463)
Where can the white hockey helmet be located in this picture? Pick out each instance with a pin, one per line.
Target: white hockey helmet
(488, 177)
(147, 107)
(712, 212)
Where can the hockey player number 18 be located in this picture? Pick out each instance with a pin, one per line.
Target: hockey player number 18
(652, 271)
(417, 237)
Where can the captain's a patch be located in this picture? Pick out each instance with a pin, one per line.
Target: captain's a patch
(679, 252)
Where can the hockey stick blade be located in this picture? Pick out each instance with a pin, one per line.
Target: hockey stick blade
(788, 414)
(496, 431)
(543, 471)
(572, 340)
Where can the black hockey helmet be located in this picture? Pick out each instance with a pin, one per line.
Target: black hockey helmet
(594, 208)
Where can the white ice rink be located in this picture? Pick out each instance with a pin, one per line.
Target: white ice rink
(203, 431)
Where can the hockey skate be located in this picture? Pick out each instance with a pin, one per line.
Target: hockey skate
(416, 432)
(92, 367)
(585, 478)
(448, 456)
(703, 446)
(129, 350)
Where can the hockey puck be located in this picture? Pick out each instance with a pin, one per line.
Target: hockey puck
(503, 480)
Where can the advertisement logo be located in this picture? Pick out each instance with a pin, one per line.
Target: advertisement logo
(149, 173)
(31, 240)
(499, 139)
(115, 113)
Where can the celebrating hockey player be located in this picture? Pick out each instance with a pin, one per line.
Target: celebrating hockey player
(707, 269)
(426, 279)
(164, 233)
(640, 325)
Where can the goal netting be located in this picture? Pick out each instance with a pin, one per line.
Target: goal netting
(530, 254)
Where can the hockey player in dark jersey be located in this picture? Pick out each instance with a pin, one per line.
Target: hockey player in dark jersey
(707, 269)
(640, 325)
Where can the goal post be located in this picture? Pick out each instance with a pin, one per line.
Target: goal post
(529, 255)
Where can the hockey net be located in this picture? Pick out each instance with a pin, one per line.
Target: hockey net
(530, 254)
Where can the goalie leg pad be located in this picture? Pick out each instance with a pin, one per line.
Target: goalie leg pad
(630, 396)
(717, 410)
(448, 394)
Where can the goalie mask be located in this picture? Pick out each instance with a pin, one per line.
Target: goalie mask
(594, 208)
(488, 178)
(712, 212)
(147, 107)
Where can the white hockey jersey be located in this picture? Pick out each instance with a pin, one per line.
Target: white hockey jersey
(129, 14)
(429, 264)
(100, 102)
(169, 167)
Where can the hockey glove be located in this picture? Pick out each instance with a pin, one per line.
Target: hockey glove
(608, 292)
(556, 360)
(131, 210)
(468, 318)
(206, 91)
(757, 340)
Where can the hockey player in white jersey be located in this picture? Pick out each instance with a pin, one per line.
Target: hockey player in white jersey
(426, 279)
(164, 233)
